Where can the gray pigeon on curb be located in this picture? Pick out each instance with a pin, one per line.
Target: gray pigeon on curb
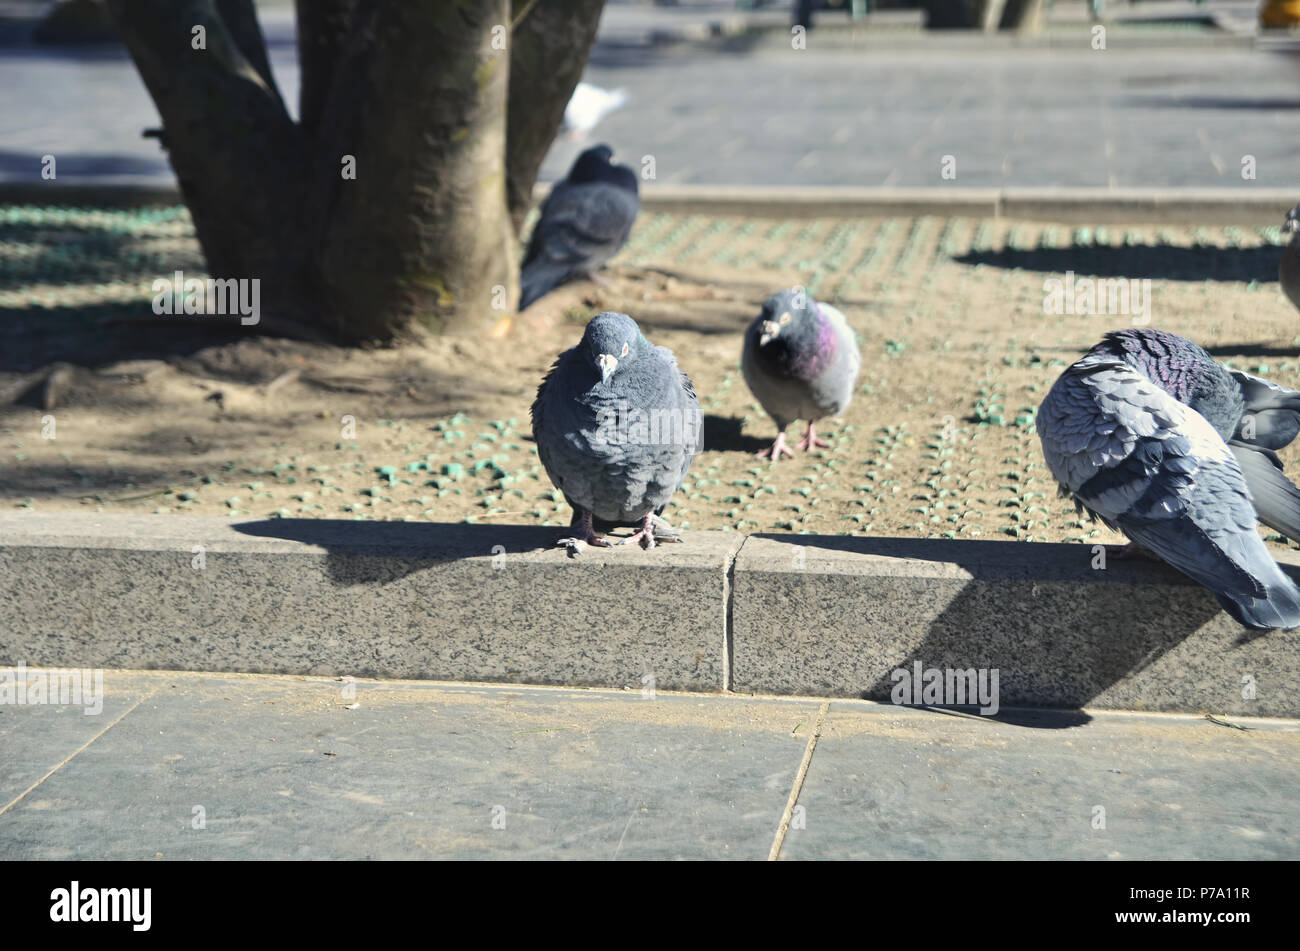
(1288, 271)
(617, 425)
(801, 361)
(1152, 436)
(585, 220)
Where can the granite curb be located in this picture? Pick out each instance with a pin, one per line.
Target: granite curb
(1243, 206)
(807, 615)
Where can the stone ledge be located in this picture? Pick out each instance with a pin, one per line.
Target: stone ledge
(780, 614)
(1246, 206)
(834, 616)
(384, 599)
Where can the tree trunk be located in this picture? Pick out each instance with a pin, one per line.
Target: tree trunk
(417, 98)
(548, 52)
(1024, 16)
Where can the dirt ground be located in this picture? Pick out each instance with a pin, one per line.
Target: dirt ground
(939, 440)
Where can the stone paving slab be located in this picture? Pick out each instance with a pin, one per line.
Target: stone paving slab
(250, 767)
(35, 740)
(1134, 115)
(921, 785)
(281, 768)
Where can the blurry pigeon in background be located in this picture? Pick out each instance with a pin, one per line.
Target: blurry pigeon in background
(1288, 272)
(1155, 438)
(617, 425)
(588, 105)
(801, 361)
(585, 220)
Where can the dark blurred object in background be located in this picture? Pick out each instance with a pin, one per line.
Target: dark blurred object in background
(987, 15)
(76, 21)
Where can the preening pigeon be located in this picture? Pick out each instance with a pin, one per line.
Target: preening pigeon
(585, 220)
(1288, 272)
(801, 361)
(1155, 438)
(617, 425)
(588, 105)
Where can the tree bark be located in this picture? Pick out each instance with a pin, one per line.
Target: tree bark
(322, 27)
(422, 235)
(548, 50)
(228, 136)
(417, 96)
(1024, 16)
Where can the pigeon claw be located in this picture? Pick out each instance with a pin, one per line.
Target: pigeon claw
(811, 442)
(584, 535)
(576, 546)
(776, 450)
(654, 530)
(644, 538)
(600, 280)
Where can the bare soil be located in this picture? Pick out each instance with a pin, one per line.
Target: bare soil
(104, 409)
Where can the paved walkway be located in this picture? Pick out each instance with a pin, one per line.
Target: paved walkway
(760, 113)
(185, 766)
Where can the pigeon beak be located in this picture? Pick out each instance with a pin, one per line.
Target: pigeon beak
(770, 330)
(608, 364)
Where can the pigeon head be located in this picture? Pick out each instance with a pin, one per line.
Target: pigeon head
(597, 153)
(1291, 223)
(795, 340)
(1182, 369)
(596, 165)
(789, 318)
(611, 341)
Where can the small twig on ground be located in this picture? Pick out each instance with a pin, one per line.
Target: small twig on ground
(346, 384)
(285, 378)
(135, 498)
(1236, 726)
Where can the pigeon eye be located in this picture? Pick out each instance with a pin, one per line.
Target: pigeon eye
(785, 319)
(624, 353)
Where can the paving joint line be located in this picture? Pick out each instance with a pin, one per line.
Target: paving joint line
(75, 753)
(728, 605)
(784, 827)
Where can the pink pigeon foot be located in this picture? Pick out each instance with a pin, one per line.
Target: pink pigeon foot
(653, 530)
(600, 280)
(810, 441)
(775, 451)
(586, 535)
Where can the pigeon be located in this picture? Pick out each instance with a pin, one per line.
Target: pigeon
(617, 424)
(1288, 272)
(801, 361)
(588, 105)
(585, 220)
(1152, 436)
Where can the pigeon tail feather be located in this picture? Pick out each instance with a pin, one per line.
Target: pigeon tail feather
(1276, 498)
(538, 279)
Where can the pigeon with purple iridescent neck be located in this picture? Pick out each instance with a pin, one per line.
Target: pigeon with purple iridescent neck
(801, 361)
(1152, 436)
(617, 425)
